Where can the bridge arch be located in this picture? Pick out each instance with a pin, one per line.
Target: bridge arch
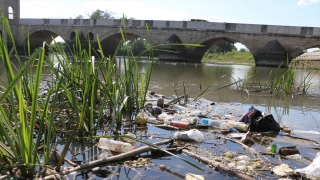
(298, 50)
(109, 41)
(129, 32)
(37, 36)
(195, 54)
(44, 33)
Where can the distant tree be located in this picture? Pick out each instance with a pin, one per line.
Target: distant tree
(222, 48)
(243, 50)
(80, 17)
(99, 14)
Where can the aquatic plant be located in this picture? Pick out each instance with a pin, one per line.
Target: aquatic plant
(86, 87)
(18, 118)
(281, 81)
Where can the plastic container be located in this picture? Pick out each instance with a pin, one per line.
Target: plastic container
(240, 126)
(191, 135)
(115, 146)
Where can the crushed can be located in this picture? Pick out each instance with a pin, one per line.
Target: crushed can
(179, 124)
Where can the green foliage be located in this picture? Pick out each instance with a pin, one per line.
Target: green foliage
(99, 14)
(136, 46)
(222, 48)
(233, 56)
(243, 50)
(17, 118)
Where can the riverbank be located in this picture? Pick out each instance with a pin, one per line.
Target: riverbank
(246, 58)
(234, 57)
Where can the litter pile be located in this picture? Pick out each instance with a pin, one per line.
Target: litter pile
(195, 124)
(188, 118)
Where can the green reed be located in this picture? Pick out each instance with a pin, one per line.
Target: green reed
(88, 87)
(280, 82)
(17, 117)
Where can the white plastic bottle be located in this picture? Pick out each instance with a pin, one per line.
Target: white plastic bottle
(180, 108)
(192, 106)
(113, 145)
(192, 134)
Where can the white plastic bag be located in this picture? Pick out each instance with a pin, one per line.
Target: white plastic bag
(113, 145)
(312, 171)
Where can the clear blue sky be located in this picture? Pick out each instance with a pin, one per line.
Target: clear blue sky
(272, 12)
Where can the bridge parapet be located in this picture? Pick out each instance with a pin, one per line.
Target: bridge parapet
(201, 26)
(258, 38)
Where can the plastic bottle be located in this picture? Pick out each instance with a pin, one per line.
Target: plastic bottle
(203, 121)
(192, 106)
(209, 122)
(179, 108)
(113, 145)
(274, 148)
(226, 127)
(152, 119)
(192, 134)
(189, 120)
(240, 126)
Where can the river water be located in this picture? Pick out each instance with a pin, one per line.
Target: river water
(298, 112)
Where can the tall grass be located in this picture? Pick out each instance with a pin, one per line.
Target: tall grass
(80, 83)
(17, 117)
(279, 82)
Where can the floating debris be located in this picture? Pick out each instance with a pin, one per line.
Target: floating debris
(283, 170)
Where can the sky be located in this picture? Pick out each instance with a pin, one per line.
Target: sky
(270, 12)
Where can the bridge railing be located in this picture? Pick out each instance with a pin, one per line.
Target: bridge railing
(203, 26)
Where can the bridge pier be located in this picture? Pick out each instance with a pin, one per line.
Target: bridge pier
(173, 52)
(272, 55)
(176, 55)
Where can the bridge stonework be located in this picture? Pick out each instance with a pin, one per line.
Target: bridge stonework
(271, 45)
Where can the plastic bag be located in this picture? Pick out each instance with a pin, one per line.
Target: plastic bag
(312, 171)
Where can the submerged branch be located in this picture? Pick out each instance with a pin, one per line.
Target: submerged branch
(119, 157)
(218, 166)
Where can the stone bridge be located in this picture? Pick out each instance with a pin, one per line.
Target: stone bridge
(271, 45)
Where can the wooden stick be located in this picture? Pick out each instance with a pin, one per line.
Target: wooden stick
(218, 166)
(247, 147)
(119, 157)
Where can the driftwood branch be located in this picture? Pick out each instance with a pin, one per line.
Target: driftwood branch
(247, 148)
(218, 166)
(119, 157)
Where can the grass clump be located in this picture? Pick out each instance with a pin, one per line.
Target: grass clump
(83, 94)
(235, 57)
(280, 82)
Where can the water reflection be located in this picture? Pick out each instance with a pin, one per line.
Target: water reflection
(298, 111)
